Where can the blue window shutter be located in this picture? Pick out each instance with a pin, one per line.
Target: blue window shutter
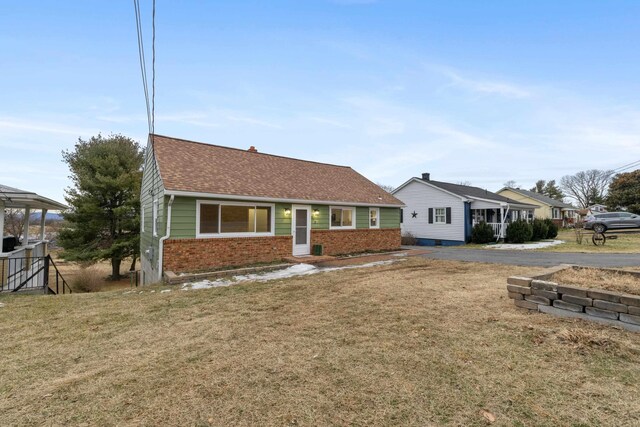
(430, 215)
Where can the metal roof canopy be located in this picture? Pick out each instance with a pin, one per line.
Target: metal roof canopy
(21, 199)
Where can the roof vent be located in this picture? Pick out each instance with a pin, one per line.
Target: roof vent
(252, 149)
(425, 176)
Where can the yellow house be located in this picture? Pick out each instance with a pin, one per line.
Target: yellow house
(561, 213)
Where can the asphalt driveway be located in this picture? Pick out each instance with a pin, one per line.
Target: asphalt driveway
(531, 258)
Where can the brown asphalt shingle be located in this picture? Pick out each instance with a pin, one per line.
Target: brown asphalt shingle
(204, 168)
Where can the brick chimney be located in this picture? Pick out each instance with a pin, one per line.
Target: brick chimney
(426, 176)
(252, 149)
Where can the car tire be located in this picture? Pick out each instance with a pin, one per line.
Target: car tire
(599, 228)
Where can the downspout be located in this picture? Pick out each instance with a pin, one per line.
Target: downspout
(165, 237)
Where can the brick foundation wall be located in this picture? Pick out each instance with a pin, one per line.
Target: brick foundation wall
(338, 242)
(182, 255)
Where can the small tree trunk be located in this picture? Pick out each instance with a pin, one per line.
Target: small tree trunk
(115, 268)
(133, 264)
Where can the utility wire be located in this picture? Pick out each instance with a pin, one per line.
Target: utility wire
(143, 67)
(628, 166)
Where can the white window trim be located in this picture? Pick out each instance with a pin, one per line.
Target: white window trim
(219, 235)
(435, 216)
(343, 227)
(142, 217)
(377, 217)
(154, 217)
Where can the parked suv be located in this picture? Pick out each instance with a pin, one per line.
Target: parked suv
(604, 221)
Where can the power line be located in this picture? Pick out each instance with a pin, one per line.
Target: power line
(628, 166)
(153, 71)
(141, 56)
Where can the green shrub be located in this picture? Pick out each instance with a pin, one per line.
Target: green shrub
(482, 233)
(552, 232)
(540, 229)
(519, 232)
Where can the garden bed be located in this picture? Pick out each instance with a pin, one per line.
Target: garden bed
(611, 280)
(602, 295)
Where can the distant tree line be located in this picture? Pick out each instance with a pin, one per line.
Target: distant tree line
(594, 186)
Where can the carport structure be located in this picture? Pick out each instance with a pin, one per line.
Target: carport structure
(17, 260)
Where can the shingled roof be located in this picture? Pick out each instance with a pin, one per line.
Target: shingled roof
(541, 198)
(197, 167)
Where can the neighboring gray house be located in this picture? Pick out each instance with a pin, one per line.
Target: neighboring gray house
(442, 213)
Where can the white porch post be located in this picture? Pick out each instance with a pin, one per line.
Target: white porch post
(43, 214)
(1, 224)
(501, 222)
(25, 233)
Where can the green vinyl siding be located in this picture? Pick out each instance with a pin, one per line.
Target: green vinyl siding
(389, 217)
(183, 218)
(151, 188)
(362, 217)
(321, 220)
(283, 222)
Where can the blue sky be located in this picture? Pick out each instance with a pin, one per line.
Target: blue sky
(483, 92)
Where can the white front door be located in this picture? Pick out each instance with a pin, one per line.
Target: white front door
(301, 229)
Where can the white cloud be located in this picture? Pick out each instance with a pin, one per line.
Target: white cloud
(482, 86)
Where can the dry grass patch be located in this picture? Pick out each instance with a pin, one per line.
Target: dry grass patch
(624, 243)
(611, 280)
(421, 342)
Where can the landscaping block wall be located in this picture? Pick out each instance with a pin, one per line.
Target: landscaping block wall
(338, 242)
(591, 304)
(182, 255)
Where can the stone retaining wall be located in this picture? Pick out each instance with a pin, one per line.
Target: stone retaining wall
(535, 293)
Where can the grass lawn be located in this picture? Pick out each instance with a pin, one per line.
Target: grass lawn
(625, 243)
(419, 342)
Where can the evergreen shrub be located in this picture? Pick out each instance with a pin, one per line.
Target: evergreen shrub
(519, 232)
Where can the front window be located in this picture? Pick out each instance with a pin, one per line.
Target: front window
(341, 217)
(556, 213)
(374, 218)
(441, 216)
(220, 219)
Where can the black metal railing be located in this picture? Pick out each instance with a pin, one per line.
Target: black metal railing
(61, 284)
(31, 273)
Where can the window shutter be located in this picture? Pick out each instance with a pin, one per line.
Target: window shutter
(401, 215)
(430, 215)
(448, 215)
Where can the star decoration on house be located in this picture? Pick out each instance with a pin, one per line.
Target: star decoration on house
(414, 214)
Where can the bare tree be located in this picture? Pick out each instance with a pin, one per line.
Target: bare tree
(385, 187)
(587, 187)
(14, 222)
(511, 184)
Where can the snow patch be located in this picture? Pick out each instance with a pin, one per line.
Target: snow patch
(525, 246)
(164, 291)
(1, 304)
(293, 271)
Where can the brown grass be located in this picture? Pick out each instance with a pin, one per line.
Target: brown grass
(599, 278)
(100, 272)
(421, 342)
(87, 279)
(625, 242)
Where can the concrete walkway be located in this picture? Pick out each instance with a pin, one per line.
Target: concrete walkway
(531, 258)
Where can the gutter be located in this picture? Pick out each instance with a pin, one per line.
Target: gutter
(165, 237)
(276, 200)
